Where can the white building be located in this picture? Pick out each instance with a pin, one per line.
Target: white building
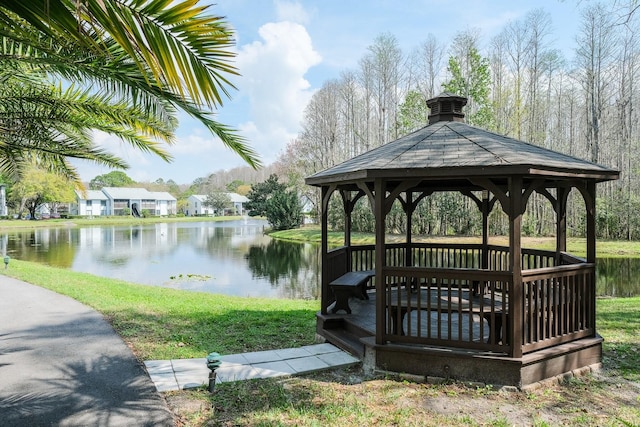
(196, 206)
(121, 200)
(3, 201)
(93, 203)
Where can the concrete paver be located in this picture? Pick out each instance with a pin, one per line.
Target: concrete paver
(190, 373)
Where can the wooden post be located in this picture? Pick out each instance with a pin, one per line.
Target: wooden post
(561, 222)
(515, 262)
(381, 295)
(485, 230)
(408, 211)
(348, 209)
(590, 204)
(324, 223)
(346, 206)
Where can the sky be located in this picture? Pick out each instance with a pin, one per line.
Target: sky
(287, 49)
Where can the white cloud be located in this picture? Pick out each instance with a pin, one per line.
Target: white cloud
(273, 78)
(142, 166)
(121, 149)
(199, 141)
(267, 141)
(291, 11)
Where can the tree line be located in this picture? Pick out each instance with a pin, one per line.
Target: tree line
(518, 83)
(40, 187)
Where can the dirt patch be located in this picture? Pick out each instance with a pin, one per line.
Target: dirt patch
(352, 398)
(188, 408)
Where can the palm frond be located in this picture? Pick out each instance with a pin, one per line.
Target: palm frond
(43, 121)
(148, 57)
(182, 45)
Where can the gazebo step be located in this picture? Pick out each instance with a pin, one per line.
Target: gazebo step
(348, 323)
(345, 340)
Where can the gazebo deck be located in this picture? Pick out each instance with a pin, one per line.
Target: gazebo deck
(437, 286)
(457, 321)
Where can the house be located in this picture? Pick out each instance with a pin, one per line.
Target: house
(93, 203)
(138, 200)
(238, 202)
(3, 201)
(196, 205)
(123, 201)
(166, 204)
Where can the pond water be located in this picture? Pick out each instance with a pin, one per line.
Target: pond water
(231, 257)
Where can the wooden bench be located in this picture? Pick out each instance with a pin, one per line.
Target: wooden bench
(350, 284)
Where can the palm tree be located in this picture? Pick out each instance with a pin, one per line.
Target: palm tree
(136, 59)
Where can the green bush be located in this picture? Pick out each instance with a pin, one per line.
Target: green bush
(284, 210)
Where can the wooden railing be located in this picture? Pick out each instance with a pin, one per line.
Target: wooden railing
(437, 306)
(363, 257)
(442, 255)
(558, 305)
(536, 258)
(429, 295)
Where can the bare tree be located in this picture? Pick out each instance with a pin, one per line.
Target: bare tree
(538, 23)
(626, 118)
(381, 71)
(500, 83)
(427, 65)
(594, 55)
(515, 36)
(352, 108)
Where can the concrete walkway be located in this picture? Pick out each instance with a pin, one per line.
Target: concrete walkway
(62, 364)
(181, 374)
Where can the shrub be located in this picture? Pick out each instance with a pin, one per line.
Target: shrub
(284, 210)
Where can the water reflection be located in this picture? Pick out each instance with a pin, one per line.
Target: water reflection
(618, 277)
(291, 266)
(200, 256)
(233, 258)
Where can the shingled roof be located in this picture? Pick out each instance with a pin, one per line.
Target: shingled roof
(450, 148)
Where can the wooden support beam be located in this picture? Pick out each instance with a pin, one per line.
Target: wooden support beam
(380, 215)
(324, 223)
(590, 203)
(516, 294)
(561, 221)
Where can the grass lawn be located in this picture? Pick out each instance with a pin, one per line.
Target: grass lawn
(161, 323)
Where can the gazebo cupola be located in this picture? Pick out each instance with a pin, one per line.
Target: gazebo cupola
(476, 311)
(446, 107)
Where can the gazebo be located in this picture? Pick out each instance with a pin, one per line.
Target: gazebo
(474, 312)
